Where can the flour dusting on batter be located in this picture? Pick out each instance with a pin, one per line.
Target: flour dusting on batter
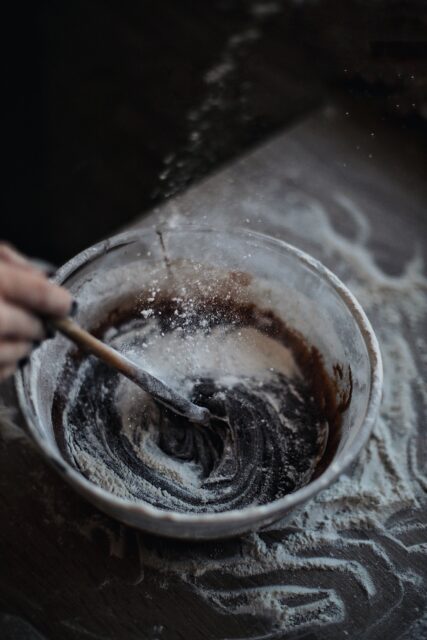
(266, 440)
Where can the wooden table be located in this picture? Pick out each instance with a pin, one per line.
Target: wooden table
(351, 193)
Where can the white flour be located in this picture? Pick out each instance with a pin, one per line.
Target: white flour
(117, 436)
(204, 137)
(390, 474)
(222, 353)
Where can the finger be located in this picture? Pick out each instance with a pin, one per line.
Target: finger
(34, 291)
(47, 268)
(10, 255)
(11, 351)
(6, 372)
(18, 323)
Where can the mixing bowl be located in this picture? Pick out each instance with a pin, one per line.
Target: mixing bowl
(247, 266)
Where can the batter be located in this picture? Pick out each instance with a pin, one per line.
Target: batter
(241, 362)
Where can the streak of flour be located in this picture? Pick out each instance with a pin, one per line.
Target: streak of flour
(223, 112)
(204, 144)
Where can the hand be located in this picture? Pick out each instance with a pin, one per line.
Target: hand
(24, 292)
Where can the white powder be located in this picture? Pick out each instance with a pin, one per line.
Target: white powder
(217, 104)
(265, 9)
(218, 73)
(360, 515)
(242, 365)
(389, 477)
(222, 354)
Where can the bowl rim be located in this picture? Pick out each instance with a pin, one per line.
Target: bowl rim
(247, 515)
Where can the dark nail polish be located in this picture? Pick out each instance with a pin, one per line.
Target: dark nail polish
(23, 361)
(36, 343)
(74, 308)
(50, 331)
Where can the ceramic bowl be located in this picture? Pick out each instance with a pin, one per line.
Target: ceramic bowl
(271, 273)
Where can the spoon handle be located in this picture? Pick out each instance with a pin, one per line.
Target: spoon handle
(157, 389)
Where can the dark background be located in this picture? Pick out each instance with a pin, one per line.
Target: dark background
(96, 95)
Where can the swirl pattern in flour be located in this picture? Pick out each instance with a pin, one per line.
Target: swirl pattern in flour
(267, 441)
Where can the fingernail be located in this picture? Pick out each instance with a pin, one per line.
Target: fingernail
(50, 331)
(48, 269)
(23, 361)
(74, 308)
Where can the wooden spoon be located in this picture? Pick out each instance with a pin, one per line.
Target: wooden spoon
(157, 389)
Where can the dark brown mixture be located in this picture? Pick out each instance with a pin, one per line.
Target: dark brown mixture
(258, 449)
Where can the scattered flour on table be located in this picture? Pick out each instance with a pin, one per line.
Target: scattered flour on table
(389, 476)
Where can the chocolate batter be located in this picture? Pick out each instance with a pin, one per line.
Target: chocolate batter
(272, 425)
